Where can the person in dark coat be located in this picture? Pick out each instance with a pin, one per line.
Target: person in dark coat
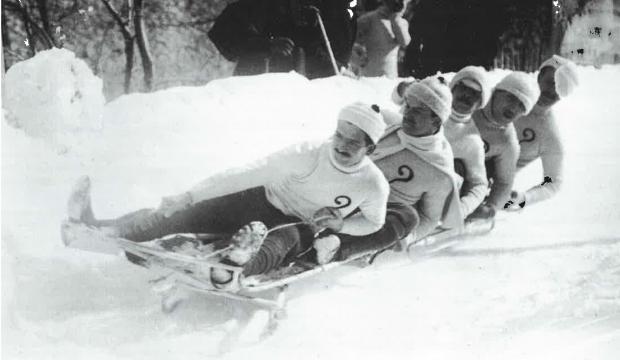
(284, 35)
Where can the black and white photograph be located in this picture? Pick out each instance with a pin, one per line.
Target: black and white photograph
(310, 179)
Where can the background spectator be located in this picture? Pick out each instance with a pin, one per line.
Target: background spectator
(382, 32)
(284, 35)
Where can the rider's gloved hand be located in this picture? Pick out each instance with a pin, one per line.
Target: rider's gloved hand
(483, 212)
(327, 218)
(516, 202)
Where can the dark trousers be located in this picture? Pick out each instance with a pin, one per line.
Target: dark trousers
(222, 215)
(400, 220)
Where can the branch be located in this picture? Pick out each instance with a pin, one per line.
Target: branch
(29, 21)
(14, 54)
(118, 18)
(70, 11)
(187, 23)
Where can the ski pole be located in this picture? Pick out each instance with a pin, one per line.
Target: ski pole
(325, 38)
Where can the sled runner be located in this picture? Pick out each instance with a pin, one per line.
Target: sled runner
(185, 261)
(442, 238)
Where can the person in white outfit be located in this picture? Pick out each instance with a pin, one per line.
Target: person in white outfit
(471, 91)
(328, 185)
(381, 33)
(539, 135)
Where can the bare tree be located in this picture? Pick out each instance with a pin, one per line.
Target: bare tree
(133, 16)
(143, 44)
(34, 31)
(128, 38)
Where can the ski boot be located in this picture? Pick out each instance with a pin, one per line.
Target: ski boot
(78, 206)
(244, 244)
(326, 248)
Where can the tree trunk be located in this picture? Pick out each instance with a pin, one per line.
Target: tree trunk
(143, 44)
(129, 56)
(128, 39)
(45, 18)
(29, 37)
(6, 42)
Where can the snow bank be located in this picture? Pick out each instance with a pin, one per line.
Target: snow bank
(51, 94)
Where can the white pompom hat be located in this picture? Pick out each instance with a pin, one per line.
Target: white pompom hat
(521, 85)
(366, 117)
(478, 75)
(566, 78)
(434, 92)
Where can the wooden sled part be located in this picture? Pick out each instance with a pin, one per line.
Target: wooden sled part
(444, 238)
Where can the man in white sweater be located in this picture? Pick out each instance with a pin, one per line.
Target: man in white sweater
(514, 96)
(539, 135)
(322, 184)
(471, 91)
(417, 160)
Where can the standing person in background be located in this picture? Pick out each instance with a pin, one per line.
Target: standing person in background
(283, 35)
(382, 32)
(471, 91)
(428, 29)
(514, 96)
(538, 133)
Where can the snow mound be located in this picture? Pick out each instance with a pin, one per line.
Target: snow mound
(52, 94)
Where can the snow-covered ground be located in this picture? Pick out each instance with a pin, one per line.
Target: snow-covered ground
(545, 284)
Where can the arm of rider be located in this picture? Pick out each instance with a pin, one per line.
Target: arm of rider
(327, 218)
(291, 160)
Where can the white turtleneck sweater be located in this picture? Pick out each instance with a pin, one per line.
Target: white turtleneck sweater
(420, 172)
(304, 178)
(539, 137)
(502, 151)
(468, 150)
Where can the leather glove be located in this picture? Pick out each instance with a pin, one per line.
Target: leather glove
(516, 202)
(327, 218)
(484, 211)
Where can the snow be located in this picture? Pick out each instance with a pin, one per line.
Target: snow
(545, 284)
(58, 83)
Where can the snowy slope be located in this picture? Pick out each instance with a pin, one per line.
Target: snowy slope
(545, 284)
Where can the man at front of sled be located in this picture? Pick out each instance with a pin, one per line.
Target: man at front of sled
(318, 184)
(417, 160)
(539, 135)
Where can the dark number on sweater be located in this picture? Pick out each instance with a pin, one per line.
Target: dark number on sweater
(342, 201)
(529, 135)
(406, 174)
(486, 146)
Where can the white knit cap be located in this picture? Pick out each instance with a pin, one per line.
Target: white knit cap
(479, 76)
(366, 117)
(434, 92)
(566, 78)
(521, 85)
